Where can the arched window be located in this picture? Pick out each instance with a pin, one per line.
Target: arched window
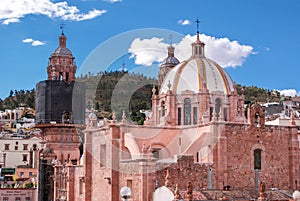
(195, 115)
(256, 118)
(179, 116)
(163, 108)
(218, 106)
(257, 159)
(187, 111)
(225, 114)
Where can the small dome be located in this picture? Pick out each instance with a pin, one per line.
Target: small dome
(172, 61)
(62, 51)
(196, 74)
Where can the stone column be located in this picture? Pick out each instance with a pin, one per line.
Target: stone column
(88, 165)
(115, 161)
(70, 182)
(222, 172)
(147, 165)
(294, 159)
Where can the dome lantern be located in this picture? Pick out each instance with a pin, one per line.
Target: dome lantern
(198, 45)
(62, 40)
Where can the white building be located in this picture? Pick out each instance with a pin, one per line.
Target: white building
(17, 150)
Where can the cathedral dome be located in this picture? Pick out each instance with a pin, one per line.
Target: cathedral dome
(196, 74)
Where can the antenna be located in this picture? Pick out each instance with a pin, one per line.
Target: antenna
(123, 64)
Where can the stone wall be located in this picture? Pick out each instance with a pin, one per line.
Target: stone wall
(139, 175)
(274, 142)
(184, 171)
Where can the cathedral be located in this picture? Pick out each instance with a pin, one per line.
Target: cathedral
(199, 141)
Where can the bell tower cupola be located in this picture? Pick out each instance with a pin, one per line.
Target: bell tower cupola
(168, 63)
(62, 64)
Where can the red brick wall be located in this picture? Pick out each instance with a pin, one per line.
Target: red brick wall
(184, 171)
(241, 142)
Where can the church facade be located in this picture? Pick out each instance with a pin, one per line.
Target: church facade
(199, 135)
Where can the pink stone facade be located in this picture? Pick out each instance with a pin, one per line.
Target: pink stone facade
(231, 163)
(202, 138)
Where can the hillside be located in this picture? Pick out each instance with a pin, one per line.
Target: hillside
(120, 91)
(261, 95)
(18, 98)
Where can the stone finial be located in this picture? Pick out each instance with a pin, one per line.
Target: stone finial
(124, 117)
(292, 119)
(150, 151)
(153, 91)
(262, 189)
(214, 117)
(234, 89)
(169, 85)
(221, 115)
(144, 150)
(167, 182)
(189, 192)
(114, 116)
(177, 194)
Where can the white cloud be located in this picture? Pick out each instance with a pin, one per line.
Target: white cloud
(147, 51)
(289, 92)
(10, 20)
(225, 52)
(37, 43)
(13, 10)
(27, 40)
(184, 22)
(33, 42)
(113, 1)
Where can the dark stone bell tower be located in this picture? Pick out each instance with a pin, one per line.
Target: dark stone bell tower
(60, 112)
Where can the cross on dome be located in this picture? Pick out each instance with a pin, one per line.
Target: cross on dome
(62, 26)
(198, 46)
(198, 22)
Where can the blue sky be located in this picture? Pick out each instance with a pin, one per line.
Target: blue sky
(259, 38)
